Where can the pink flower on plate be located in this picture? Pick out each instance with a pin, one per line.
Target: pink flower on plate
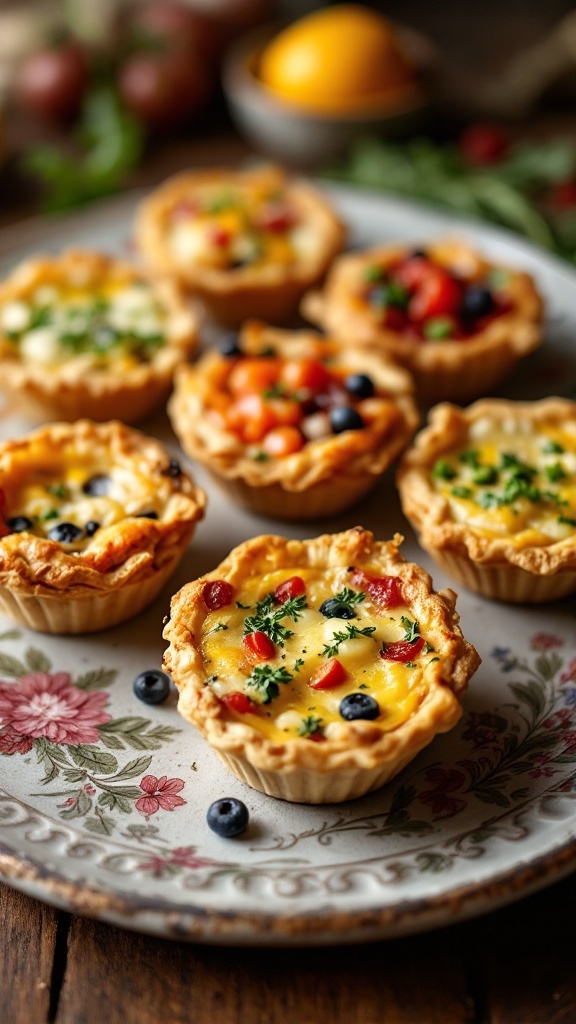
(570, 672)
(47, 705)
(160, 793)
(546, 641)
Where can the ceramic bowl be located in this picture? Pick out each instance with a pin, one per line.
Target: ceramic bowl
(296, 137)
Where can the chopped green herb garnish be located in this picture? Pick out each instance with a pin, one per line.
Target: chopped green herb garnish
(552, 448)
(555, 473)
(58, 490)
(485, 475)
(217, 628)
(443, 470)
(298, 665)
(412, 629)
(351, 633)
(277, 390)
(310, 725)
(567, 521)
(428, 647)
(373, 274)
(438, 328)
(433, 660)
(268, 620)
(240, 605)
(349, 596)
(260, 456)
(52, 513)
(265, 679)
(410, 664)
(461, 492)
(470, 458)
(362, 686)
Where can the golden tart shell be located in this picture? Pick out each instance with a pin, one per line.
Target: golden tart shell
(47, 588)
(456, 371)
(358, 757)
(269, 292)
(79, 387)
(326, 476)
(497, 567)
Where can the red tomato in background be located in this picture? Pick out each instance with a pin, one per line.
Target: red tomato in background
(484, 144)
(164, 89)
(51, 83)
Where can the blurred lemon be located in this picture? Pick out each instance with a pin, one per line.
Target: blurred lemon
(336, 60)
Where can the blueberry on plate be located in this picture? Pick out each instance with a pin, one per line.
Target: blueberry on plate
(360, 385)
(332, 608)
(91, 527)
(227, 817)
(65, 533)
(152, 686)
(343, 417)
(358, 705)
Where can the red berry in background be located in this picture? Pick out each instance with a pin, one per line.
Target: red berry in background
(172, 26)
(51, 83)
(563, 195)
(164, 89)
(484, 144)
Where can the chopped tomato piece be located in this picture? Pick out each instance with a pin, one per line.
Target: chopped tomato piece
(412, 271)
(253, 375)
(331, 674)
(385, 591)
(402, 650)
(299, 374)
(259, 646)
(217, 594)
(238, 702)
(283, 441)
(395, 318)
(251, 417)
(287, 413)
(277, 218)
(219, 237)
(293, 587)
(439, 294)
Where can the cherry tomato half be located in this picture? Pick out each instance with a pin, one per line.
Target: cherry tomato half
(259, 646)
(292, 587)
(217, 594)
(402, 650)
(329, 675)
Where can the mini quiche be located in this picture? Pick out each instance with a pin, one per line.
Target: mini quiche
(457, 322)
(294, 426)
(93, 519)
(492, 491)
(83, 334)
(247, 243)
(317, 669)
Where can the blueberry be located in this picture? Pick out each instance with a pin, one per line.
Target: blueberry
(152, 686)
(227, 817)
(360, 385)
(229, 347)
(477, 302)
(147, 515)
(343, 417)
(19, 524)
(173, 469)
(332, 608)
(96, 486)
(91, 527)
(65, 533)
(358, 705)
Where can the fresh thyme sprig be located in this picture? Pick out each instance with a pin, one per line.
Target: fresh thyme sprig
(351, 633)
(265, 679)
(310, 725)
(349, 596)
(268, 619)
(412, 629)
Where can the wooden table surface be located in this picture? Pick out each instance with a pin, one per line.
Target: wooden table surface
(514, 966)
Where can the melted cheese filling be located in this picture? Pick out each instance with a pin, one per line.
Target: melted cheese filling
(298, 709)
(119, 322)
(516, 479)
(51, 490)
(225, 231)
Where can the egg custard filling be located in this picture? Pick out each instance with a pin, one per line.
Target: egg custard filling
(317, 669)
(516, 479)
(295, 654)
(491, 489)
(119, 321)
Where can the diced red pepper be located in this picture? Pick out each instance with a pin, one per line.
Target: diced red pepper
(330, 674)
(385, 591)
(293, 587)
(402, 650)
(238, 702)
(259, 646)
(217, 594)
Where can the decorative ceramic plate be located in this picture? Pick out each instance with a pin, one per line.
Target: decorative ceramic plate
(103, 799)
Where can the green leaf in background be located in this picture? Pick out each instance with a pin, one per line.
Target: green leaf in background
(511, 193)
(112, 142)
